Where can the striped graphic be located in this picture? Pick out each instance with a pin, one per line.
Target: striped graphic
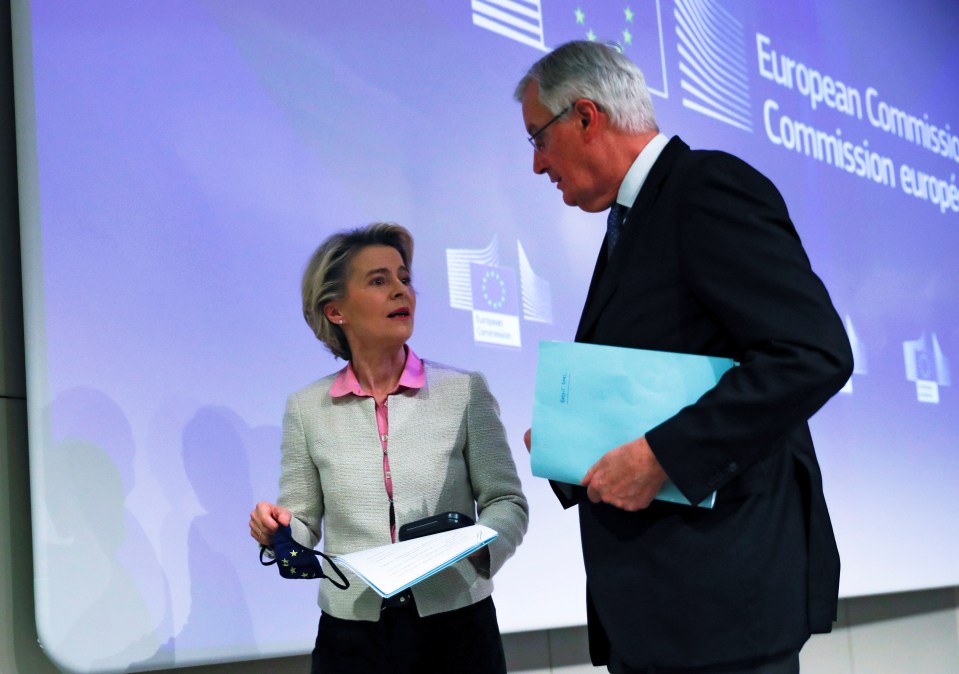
(458, 261)
(712, 50)
(519, 20)
(537, 296)
(861, 366)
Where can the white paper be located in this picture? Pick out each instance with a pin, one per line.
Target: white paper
(390, 569)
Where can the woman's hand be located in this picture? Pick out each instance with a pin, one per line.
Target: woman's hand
(265, 519)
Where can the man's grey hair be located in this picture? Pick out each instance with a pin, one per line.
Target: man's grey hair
(596, 71)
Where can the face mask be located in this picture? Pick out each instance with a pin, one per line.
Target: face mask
(298, 561)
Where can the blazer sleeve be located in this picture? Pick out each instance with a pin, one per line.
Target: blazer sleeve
(300, 488)
(496, 486)
(743, 262)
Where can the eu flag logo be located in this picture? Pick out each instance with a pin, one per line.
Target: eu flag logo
(494, 289)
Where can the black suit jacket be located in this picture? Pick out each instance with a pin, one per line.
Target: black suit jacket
(710, 263)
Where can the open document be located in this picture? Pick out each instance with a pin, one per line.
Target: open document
(591, 398)
(390, 569)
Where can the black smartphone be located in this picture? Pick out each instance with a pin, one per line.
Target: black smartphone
(434, 525)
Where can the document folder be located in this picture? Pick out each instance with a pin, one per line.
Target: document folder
(591, 398)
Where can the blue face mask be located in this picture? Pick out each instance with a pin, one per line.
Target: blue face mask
(298, 561)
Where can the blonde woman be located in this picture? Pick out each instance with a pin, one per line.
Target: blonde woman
(389, 439)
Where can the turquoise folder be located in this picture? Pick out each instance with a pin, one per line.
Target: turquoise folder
(591, 398)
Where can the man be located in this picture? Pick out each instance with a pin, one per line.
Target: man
(707, 262)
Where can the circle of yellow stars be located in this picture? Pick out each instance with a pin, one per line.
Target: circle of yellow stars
(591, 35)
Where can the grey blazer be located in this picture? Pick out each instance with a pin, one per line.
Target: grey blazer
(448, 451)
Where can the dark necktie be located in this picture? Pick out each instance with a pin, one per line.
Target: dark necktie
(614, 226)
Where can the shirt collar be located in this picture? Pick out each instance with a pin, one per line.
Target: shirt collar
(636, 176)
(413, 376)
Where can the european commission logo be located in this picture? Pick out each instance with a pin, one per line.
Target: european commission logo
(711, 44)
(495, 295)
(637, 27)
(927, 366)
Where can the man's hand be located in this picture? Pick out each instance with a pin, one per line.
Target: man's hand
(528, 439)
(265, 519)
(627, 477)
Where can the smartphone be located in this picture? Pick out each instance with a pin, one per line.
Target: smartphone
(434, 525)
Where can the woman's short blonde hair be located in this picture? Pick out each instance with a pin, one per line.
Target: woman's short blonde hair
(326, 274)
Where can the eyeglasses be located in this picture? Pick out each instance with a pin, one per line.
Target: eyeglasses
(539, 144)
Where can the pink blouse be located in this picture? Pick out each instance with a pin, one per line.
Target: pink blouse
(346, 383)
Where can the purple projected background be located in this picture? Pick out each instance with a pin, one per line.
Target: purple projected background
(191, 155)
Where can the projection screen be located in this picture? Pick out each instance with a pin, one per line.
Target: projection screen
(180, 160)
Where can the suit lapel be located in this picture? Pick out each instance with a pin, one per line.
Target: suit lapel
(606, 274)
(592, 306)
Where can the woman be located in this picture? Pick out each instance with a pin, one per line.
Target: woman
(387, 440)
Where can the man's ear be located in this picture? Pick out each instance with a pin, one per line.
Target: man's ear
(588, 113)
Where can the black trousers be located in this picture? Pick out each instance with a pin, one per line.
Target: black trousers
(464, 641)
(785, 663)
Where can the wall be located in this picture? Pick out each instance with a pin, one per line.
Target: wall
(916, 632)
